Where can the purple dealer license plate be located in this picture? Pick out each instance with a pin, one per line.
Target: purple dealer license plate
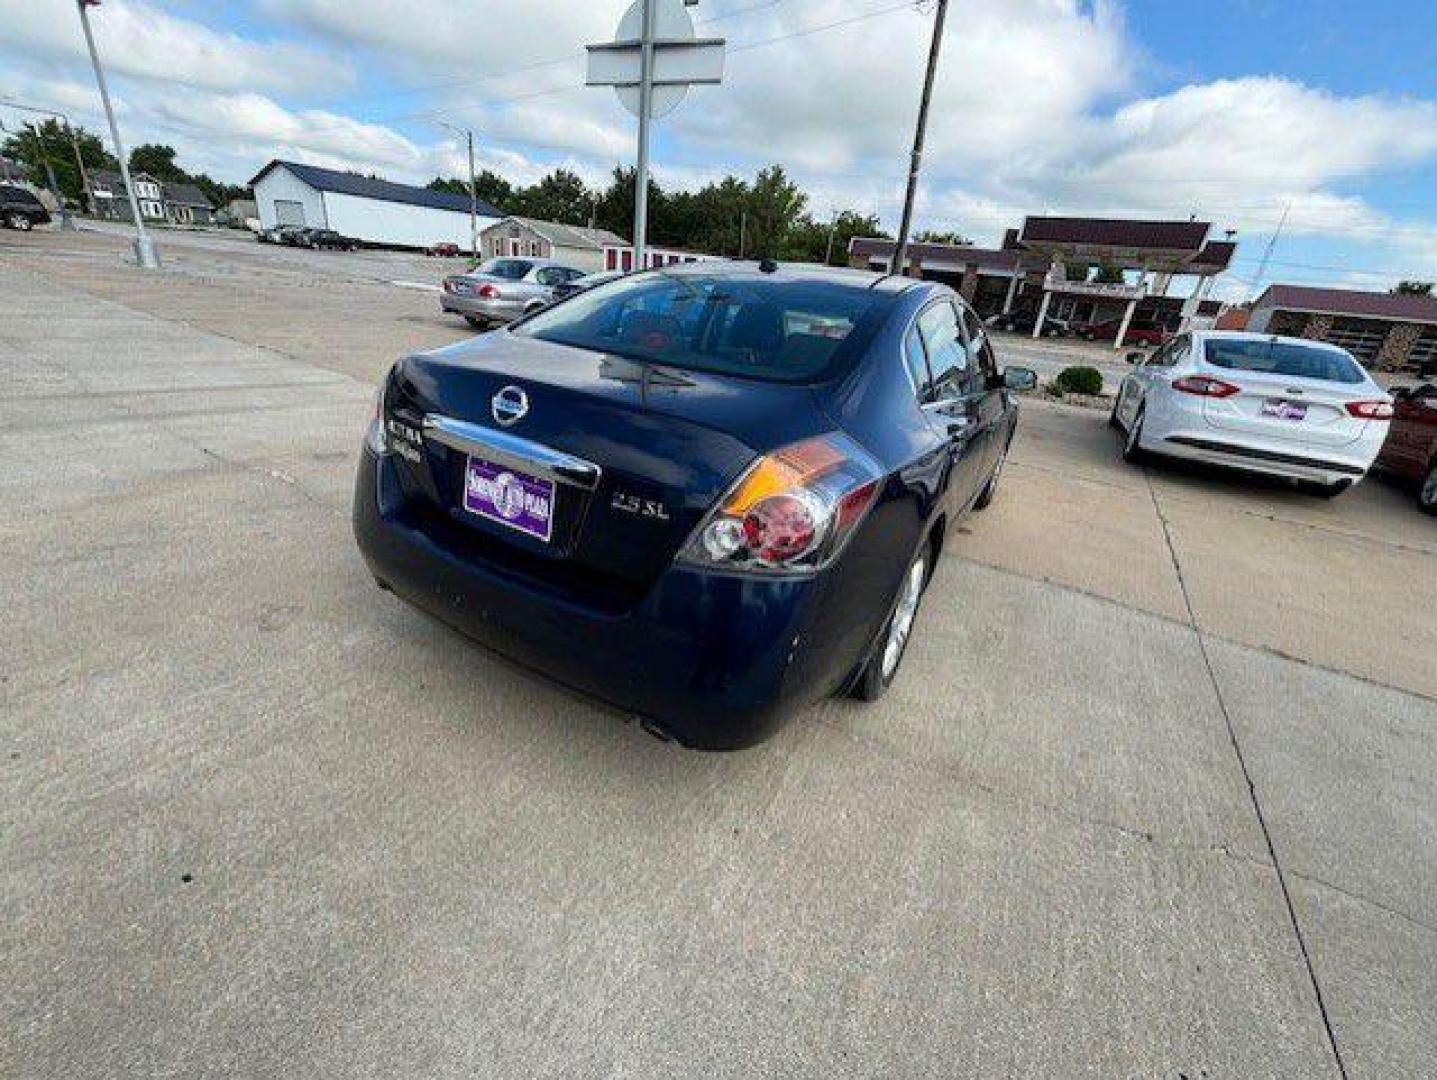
(1284, 410)
(510, 497)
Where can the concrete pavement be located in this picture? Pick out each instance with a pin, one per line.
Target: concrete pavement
(261, 819)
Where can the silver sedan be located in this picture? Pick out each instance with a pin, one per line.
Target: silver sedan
(501, 290)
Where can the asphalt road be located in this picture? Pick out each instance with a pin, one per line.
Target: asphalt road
(1152, 796)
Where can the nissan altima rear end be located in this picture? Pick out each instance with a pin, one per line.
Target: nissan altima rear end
(682, 492)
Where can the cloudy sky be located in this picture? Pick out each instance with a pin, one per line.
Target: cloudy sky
(1230, 109)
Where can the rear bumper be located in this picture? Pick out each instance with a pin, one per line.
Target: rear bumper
(479, 308)
(1176, 426)
(1316, 466)
(714, 661)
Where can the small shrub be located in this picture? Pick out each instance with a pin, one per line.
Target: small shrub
(1080, 380)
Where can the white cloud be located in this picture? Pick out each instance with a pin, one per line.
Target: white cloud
(139, 39)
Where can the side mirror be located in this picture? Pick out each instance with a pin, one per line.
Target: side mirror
(1135, 358)
(1020, 378)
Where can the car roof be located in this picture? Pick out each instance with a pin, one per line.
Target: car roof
(752, 270)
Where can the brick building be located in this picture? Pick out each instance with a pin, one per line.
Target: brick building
(1386, 331)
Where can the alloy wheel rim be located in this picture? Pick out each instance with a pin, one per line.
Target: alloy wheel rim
(1134, 432)
(1429, 488)
(902, 623)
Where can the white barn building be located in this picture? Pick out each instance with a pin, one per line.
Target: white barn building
(365, 209)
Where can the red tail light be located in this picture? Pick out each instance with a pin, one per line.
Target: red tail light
(489, 292)
(1202, 386)
(792, 511)
(1370, 410)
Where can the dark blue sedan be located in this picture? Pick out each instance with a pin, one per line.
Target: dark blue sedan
(708, 495)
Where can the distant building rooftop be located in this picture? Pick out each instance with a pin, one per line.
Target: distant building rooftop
(369, 187)
(1351, 302)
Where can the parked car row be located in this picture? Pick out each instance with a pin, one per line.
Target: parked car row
(306, 237)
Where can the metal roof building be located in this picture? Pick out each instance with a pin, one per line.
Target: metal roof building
(366, 208)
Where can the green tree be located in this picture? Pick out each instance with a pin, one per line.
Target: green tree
(34, 145)
(489, 187)
(157, 161)
(936, 236)
(560, 196)
(614, 208)
(775, 204)
(809, 240)
(1413, 288)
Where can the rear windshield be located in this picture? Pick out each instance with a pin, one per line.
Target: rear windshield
(509, 269)
(1283, 358)
(777, 330)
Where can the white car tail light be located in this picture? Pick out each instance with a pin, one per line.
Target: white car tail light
(793, 511)
(1370, 410)
(1202, 386)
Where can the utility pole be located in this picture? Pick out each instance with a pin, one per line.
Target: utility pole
(145, 253)
(742, 230)
(473, 196)
(900, 251)
(646, 105)
(1272, 243)
(832, 228)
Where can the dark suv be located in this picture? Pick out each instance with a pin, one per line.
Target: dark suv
(20, 209)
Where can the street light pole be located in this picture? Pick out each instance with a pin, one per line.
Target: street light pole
(145, 253)
(832, 228)
(900, 250)
(473, 190)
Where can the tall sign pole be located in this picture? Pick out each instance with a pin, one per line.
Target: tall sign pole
(651, 63)
(145, 253)
(900, 251)
(646, 108)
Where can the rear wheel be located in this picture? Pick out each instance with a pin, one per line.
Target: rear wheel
(878, 673)
(18, 221)
(1427, 494)
(476, 322)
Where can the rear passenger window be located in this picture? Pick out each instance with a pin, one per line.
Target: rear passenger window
(947, 358)
(917, 364)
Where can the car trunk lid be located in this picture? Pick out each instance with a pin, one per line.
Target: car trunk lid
(1285, 408)
(631, 454)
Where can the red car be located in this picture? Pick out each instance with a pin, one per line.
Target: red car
(1411, 447)
(1139, 333)
(444, 249)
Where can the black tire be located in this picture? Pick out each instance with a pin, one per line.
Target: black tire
(1132, 450)
(476, 322)
(990, 489)
(20, 222)
(1113, 421)
(1323, 491)
(1427, 493)
(878, 673)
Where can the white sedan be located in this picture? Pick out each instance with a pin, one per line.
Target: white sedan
(1276, 405)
